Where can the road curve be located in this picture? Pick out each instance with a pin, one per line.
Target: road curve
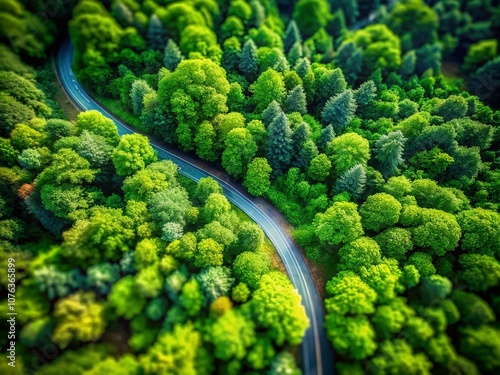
(317, 353)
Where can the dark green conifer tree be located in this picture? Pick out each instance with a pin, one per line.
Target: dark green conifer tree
(299, 136)
(352, 181)
(231, 56)
(366, 93)
(173, 55)
(295, 53)
(308, 152)
(428, 57)
(482, 85)
(349, 58)
(270, 113)
(280, 148)
(408, 64)
(303, 67)
(349, 8)
(327, 135)
(339, 110)
(329, 84)
(389, 152)
(337, 27)
(156, 35)
(292, 35)
(248, 60)
(296, 101)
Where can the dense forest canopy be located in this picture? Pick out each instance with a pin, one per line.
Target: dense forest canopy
(125, 265)
(372, 125)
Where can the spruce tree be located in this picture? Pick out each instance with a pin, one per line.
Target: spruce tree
(331, 83)
(389, 152)
(327, 135)
(408, 64)
(302, 67)
(429, 57)
(299, 136)
(378, 79)
(337, 27)
(281, 65)
(352, 181)
(307, 153)
(308, 49)
(248, 60)
(366, 93)
(295, 53)
(296, 101)
(339, 110)
(173, 55)
(270, 113)
(349, 8)
(280, 149)
(292, 35)
(349, 58)
(156, 35)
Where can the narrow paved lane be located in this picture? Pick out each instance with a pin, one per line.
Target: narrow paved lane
(317, 353)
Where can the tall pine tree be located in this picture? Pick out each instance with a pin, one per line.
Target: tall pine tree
(408, 64)
(299, 136)
(173, 55)
(349, 7)
(295, 53)
(280, 148)
(281, 65)
(248, 60)
(337, 27)
(307, 153)
(292, 35)
(296, 101)
(327, 135)
(303, 67)
(270, 113)
(366, 93)
(156, 36)
(352, 181)
(364, 96)
(389, 152)
(349, 58)
(339, 110)
(331, 83)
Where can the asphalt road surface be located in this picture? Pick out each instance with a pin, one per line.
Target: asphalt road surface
(317, 353)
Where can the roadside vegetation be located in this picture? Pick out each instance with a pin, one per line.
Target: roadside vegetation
(122, 265)
(340, 114)
(387, 169)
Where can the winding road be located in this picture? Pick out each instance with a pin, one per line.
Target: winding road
(317, 353)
